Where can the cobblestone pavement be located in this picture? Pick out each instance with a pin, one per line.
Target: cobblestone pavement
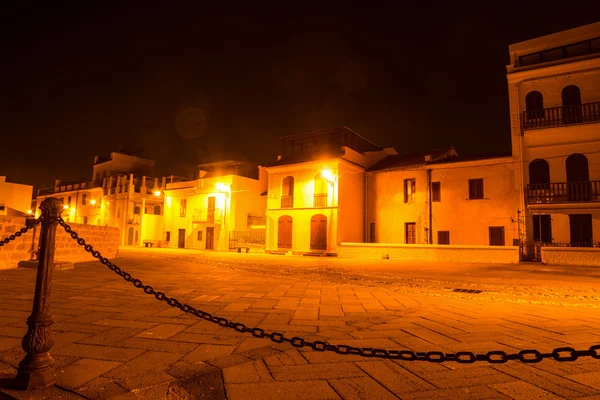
(114, 341)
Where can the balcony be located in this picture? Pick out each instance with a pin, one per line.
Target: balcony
(207, 215)
(287, 201)
(563, 192)
(561, 116)
(320, 200)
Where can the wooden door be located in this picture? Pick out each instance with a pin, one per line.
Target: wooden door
(130, 236)
(580, 226)
(181, 239)
(210, 213)
(210, 238)
(318, 232)
(284, 232)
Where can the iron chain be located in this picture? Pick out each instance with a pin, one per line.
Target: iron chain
(20, 232)
(462, 357)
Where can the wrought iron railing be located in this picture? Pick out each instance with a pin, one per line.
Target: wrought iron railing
(209, 215)
(320, 200)
(564, 115)
(563, 192)
(287, 201)
(255, 238)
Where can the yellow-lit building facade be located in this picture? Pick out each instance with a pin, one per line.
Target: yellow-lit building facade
(221, 210)
(316, 191)
(443, 198)
(15, 198)
(554, 93)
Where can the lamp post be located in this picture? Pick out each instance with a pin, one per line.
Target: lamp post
(225, 189)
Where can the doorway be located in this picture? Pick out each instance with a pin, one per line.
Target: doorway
(210, 213)
(318, 232)
(571, 101)
(210, 238)
(130, 236)
(580, 226)
(284, 232)
(181, 239)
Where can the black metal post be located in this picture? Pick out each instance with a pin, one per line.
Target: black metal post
(36, 370)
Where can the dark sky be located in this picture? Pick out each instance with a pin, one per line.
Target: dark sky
(200, 83)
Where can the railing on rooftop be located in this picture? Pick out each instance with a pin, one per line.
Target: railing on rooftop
(559, 116)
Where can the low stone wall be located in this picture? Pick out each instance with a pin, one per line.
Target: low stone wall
(431, 252)
(586, 256)
(104, 239)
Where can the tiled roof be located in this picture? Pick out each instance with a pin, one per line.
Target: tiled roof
(408, 159)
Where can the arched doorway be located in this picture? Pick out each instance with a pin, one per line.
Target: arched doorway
(534, 104)
(130, 236)
(284, 232)
(136, 210)
(156, 210)
(578, 177)
(539, 181)
(287, 192)
(320, 191)
(571, 102)
(318, 232)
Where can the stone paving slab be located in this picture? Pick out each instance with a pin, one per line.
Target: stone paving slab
(114, 341)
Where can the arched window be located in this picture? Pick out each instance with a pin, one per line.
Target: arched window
(287, 192)
(571, 101)
(539, 172)
(318, 232)
(156, 210)
(578, 177)
(284, 232)
(136, 210)
(320, 191)
(534, 103)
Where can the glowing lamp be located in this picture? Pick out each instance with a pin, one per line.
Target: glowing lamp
(29, 212)
(221, 187)
(327, 174)
(66, 206)
(157, 193)
(93, 202)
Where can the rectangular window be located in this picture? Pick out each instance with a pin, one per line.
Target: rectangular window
(182, 207)
(199, 235)
(475, 189)
(436, 194)
(496, 236)
(409, 190)
(69, 201)
(168, 238)
(443, 237)
(83, 199)
(118, 213)
(410, 232)
(85, 220)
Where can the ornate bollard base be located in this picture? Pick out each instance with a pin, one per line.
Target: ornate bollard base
(35, 372)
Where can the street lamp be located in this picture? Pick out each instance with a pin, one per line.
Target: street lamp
(328, 175)
(157, 193)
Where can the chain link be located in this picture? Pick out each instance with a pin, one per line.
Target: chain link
(461, 357)
(20, 232)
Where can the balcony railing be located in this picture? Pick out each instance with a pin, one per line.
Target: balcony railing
(320, 200)
(287, 201)
(558, 116)
(563, 192)
(209, 215)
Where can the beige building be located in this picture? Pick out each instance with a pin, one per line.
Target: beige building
(554, 93)
(120, 195)
(15, 199)
(316, 193)
(442, 198)
(223, 209)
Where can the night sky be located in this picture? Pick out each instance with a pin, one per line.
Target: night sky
(198, 84)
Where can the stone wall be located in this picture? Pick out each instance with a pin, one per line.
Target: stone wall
(104, 239)
(431, 252)
(571, 256)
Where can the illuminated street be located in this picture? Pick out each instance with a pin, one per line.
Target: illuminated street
(114, 341)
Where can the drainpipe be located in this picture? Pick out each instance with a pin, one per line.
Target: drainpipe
(430, 206)
(366, 196)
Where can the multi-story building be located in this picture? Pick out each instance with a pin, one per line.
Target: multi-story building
(15, 199)
(317, 192)
(120, 194)
(554, 94)
(443, 198)
(223, 209)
